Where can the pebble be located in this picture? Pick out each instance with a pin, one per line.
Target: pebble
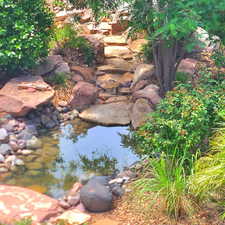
(64, 204)
(2, 158)
(73, 200)
(3, 135)
(3, 170)
(14, 145)
(33, 143)
(19, 162)
(5, 149)
(10, 159)
(26, 152)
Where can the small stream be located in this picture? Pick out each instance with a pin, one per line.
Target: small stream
(74, 153)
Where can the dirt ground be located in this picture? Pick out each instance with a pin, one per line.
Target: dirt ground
(130, 211)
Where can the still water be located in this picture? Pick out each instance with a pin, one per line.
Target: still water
(73, 153)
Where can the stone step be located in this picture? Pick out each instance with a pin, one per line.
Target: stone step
(118, 52)
(115, 40)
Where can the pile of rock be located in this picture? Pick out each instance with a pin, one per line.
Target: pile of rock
(18, 137)
(98, 193)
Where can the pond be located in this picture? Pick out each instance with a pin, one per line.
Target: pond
(74, 153)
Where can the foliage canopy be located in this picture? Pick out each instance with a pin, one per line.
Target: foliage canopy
(24, 32)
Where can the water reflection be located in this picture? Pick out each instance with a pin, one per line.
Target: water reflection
(99, 164)
(76, 150)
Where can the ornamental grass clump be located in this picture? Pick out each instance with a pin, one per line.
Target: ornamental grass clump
(208, 181)
(168, 181)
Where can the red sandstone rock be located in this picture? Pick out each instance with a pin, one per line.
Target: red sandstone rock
(137, 45)
(86, 72)
(119, 26)
(188, 66)
(140, 85)
(150, 92)
(17, 99)
(13, 106)
(84, 94)
(75, 189)
(17, 203)
(86, 16)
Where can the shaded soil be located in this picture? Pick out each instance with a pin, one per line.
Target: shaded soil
(131, 210)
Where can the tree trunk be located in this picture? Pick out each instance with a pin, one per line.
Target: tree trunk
(167, 58)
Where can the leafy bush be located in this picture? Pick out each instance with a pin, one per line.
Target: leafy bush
(147, 52)
(66, 39)
(181, 77)
(58, 79)
(24, 32)
(219, 56)
(183, 119)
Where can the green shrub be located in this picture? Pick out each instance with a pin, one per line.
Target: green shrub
(181, 77)
(67, 38)
(219, 57)
(183, 120)
(147, 52)
(59, 3)
(58, 79)
(24, 32)
(169, 183)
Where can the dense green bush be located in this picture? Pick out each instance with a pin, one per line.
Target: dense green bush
(183, 120)
(24, 32)
(147, 53)
(67, 40)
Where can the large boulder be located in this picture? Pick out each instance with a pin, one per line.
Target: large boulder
(50, 64)
(139, 113)
(84, 94)
(188, 66)
(17, 203)
(143, 72)
(108, 81)
(86, 72)
(150, 92)
(108, 114)
(22, 94)
(96, 195)
(137, 45)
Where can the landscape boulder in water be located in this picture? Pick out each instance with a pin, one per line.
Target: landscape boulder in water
(96, 195)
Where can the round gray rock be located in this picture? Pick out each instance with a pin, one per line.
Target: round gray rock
(96, 197)
(5, 149)
(33, 143)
